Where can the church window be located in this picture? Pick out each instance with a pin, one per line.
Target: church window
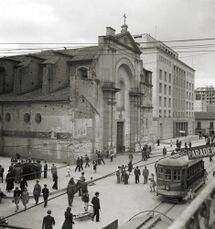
(38, 118)
(7, 117)
(83, 72)
(27, 117)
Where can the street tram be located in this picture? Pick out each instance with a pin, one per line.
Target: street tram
(176, 175)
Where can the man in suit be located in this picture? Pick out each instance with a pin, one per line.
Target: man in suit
(48, 221)
(45, 192)
(96, 206)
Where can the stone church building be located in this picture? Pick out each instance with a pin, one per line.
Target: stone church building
(56, 105)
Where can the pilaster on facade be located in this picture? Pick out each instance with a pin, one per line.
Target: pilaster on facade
(109, 94)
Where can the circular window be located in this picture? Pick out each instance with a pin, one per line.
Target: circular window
(7, 117)
(38, 118)
(27, 117)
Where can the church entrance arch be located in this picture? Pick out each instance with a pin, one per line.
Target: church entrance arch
(124, 78)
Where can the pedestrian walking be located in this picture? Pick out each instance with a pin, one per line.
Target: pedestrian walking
(45, 169)
(78, 164)
(111, 155)
(130, 167)
(48, 221)
(125, 177)
(118, 175)
(102, 158)
(130, 157)
(36, 192)
(152, 183)
(17, 195)
(9, 181)
(164, 151)
(144, 153)
(25, 198)
(68, 222)
(68, 169)
(190, 144)
(145, 175)
(94, 166)
(81, 163)
(171, 143)
(45, 192)
(86, 199)
(1, 173)
(55, 180)
(71, 190)
(53, 170)
(158, 142)
(96, 206)
(87, 160)
(122, 172)
(23, 184)
(137, 175)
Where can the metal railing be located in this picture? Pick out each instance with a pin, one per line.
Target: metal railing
(200, 213)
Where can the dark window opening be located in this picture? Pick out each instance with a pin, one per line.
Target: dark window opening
(38, 118)
(27, 117)
(8, 117)
(83, 73)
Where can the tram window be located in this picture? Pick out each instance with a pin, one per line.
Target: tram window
(168, 174)
(176, 174)
(160, 172)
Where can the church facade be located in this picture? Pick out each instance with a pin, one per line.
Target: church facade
(58, 105)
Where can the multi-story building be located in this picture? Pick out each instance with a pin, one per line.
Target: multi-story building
(206, 93)
(60, 104)
(205, 123)
(173, 89)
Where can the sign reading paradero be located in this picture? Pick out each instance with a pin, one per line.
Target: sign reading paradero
(201, 151)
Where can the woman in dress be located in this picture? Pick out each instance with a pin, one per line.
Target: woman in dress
(68, 222)
(25, 197)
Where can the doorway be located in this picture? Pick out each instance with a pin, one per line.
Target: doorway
(120, 137)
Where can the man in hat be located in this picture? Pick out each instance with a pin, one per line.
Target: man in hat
(96, 206)
(37, 191)
(48, 221)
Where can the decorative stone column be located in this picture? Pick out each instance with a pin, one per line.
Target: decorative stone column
(135, 116)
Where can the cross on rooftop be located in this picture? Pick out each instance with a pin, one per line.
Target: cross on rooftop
(125, 17)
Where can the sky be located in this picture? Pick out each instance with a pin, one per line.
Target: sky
(82, 21)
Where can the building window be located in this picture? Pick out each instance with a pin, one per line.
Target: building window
(160, 74)
(165, 102)
(170, 78)
(164, 113)
(211, 125)
(169, 102)
(160, 101)
(170, 90)
(198, 125)
(83, 72)
(160, 114)
(27, 117)
(165, 76)
(7, 117)
(160, 87)
(165, 89)
(169, 114)
(38, 118)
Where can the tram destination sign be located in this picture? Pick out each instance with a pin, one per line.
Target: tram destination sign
(201, 151)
